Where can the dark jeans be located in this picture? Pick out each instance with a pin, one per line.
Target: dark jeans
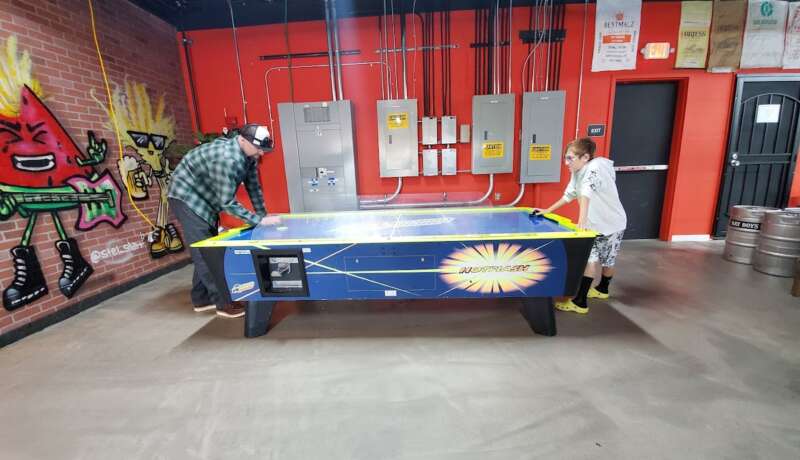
(204, 291)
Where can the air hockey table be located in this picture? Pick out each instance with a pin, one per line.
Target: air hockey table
(447, 253)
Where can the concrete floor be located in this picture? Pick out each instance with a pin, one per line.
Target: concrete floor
(694, 358)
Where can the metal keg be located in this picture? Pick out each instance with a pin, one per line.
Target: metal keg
(779, 244)
(743, 229)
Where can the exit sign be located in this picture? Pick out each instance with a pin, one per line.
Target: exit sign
(596, 130)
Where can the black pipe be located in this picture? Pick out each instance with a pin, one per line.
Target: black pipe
(426, 60)
(528, 68)
(310, 54)
(475, 52)
(403, 46)
(449, 58)
(562, 16)
(186, 42)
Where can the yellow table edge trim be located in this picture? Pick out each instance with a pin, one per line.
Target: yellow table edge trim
(219, 240)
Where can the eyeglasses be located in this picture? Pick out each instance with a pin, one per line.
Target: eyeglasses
(142, 140)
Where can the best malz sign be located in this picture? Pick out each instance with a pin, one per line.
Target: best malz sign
(616, 39)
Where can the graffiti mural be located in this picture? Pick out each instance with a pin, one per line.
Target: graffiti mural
(146, 135)
(42, 171)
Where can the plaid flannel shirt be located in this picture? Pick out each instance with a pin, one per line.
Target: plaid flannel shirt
(206, 180)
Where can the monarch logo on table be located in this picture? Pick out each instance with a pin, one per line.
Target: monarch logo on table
(490, 267)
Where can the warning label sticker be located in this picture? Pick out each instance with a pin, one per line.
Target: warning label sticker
(540, 152)
(397, 120)
(493, 149)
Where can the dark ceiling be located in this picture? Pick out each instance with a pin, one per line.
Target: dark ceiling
(210, 14)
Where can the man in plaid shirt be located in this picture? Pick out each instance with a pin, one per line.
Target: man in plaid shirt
(203, 185)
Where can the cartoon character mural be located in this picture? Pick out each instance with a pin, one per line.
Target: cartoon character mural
(146, 134)
(42, 171)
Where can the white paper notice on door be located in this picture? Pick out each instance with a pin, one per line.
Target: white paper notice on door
(768, 113)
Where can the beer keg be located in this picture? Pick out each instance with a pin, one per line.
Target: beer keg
(779, 244)
(744, 227)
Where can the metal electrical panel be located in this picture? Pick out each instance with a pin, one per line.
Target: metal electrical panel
(448, 162)
(542, 136)
(493, 133)
(464, 135)
(430, 162)
(319, 155)
(397, 138)
(448, 130)
(429, 136)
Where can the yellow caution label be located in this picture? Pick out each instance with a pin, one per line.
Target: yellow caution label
(540, 152)
(397, 120)
(493, 149)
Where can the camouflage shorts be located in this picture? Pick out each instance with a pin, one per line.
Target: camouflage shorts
(606, 248)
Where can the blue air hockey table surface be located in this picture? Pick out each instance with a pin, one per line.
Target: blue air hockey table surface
(401, 254)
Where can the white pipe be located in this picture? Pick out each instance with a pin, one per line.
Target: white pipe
(385, 199)
(496, 49)
(337, 49)
(238, 64)
(386, 57)
(403, 46)
(580, 79)
(296, 67)
(394, 45)
(430, 204)
(519, 196)
(510, 40)
(330, 50)
(549, 44)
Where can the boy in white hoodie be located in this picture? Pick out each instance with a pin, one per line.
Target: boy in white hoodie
(593, 183)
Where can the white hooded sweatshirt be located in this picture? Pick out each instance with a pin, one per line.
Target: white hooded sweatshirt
(597, 181)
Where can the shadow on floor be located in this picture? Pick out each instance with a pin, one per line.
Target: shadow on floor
(498, 318)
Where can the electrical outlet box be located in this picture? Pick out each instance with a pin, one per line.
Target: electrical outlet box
(429, 136)
(464, 135)
(449, 162)
(430, 162)
(448, 130)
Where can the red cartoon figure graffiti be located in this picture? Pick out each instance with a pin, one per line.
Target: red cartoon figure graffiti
(42, 170)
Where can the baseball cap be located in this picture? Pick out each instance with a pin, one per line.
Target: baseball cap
(257, 135)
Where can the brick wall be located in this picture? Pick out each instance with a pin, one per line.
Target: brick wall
(136, 46)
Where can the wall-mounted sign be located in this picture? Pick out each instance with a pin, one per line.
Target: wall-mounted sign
(659, 50)
(616, 37)
(596, 131)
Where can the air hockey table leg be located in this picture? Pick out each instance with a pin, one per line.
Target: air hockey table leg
(540, 314)
(257, 315)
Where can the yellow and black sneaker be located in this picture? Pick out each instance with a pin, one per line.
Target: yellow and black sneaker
(595, 294)
(569, 305)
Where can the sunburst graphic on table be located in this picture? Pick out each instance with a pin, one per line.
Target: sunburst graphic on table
(490, 268)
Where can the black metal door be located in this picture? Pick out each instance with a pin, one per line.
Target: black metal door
(641, 140)
(762, 146)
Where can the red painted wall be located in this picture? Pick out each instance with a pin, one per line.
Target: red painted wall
(700, 130)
